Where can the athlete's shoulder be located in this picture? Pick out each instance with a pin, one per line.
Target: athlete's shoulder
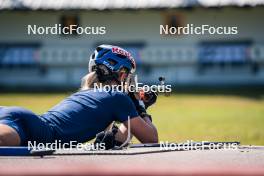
(119, 94)
(102, 93)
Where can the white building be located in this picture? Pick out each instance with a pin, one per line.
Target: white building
(61, 60)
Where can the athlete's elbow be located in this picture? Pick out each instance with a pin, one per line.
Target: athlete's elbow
(154, 138)
(155, 135)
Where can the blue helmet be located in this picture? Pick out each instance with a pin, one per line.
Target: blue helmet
(111, 60)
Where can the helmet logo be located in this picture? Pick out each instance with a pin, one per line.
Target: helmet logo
(124, 53)
(108, 64)
(121, 52)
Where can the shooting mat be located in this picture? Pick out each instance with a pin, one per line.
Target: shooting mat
(132, 150)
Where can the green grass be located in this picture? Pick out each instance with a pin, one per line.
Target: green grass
(182, 117)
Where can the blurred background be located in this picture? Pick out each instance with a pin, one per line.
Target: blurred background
(218, 80)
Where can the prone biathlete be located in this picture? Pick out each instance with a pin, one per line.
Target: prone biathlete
(87, 112)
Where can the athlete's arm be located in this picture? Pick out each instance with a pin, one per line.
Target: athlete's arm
(122, 133)
(140, 123)
(142, 128)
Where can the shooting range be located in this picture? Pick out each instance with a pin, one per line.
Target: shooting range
(216, 77)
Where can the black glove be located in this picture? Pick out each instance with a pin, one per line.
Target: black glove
(149, 98)
(108, 138)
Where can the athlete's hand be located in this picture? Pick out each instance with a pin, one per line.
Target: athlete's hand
(107, 138)
(149, 98)
(140, 108)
